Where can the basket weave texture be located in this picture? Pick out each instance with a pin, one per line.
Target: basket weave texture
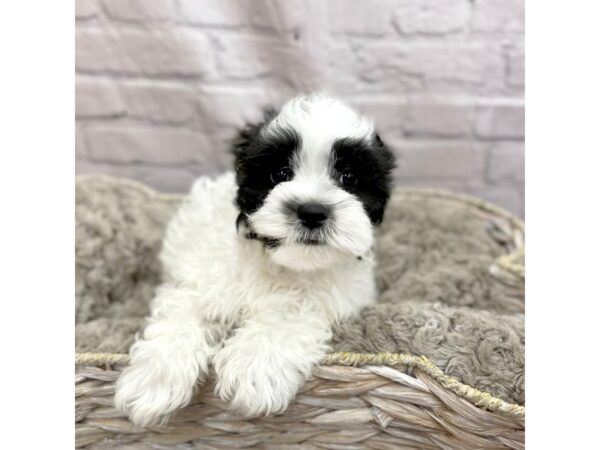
(401, 401)
(352, 401)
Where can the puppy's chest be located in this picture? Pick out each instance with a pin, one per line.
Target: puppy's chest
(334, 292)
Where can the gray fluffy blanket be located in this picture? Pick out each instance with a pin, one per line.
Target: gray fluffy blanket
(437, 296)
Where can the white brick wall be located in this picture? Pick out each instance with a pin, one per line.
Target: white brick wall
(163, 84)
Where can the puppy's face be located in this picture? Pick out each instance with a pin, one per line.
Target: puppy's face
(313, 181)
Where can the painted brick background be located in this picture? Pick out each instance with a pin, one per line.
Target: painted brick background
(162, 85)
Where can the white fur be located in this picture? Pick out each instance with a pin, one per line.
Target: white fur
(262, 317)
(320, 119)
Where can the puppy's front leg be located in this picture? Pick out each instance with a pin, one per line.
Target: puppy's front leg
(169, 361)
(261, 367)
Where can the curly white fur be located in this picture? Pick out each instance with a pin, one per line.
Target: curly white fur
(260, 316)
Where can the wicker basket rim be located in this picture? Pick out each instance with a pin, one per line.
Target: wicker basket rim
(478, 398)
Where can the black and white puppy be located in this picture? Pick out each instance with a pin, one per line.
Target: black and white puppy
(259, 264)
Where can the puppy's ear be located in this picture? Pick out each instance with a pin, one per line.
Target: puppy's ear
(246, 147)
(247, 135)
(384, 164)
(388, 159)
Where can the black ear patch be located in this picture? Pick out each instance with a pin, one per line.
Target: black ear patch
(257, 156)
(371, 162)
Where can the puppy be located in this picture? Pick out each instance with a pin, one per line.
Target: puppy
(259, 264)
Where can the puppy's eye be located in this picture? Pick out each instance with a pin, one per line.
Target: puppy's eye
(281, 175)
(347, 178)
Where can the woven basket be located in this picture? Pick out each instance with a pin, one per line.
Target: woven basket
(352, 401)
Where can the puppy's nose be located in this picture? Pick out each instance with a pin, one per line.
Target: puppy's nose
(313, 215)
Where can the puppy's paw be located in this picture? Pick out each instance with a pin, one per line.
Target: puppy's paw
(148, 393)
(254, 384)
(157, 382)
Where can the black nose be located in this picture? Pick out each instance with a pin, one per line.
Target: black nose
(313, 215)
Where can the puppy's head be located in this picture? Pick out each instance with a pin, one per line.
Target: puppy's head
(313, 180)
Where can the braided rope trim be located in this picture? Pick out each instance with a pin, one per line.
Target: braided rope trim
(475, 396)
(512, 262)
